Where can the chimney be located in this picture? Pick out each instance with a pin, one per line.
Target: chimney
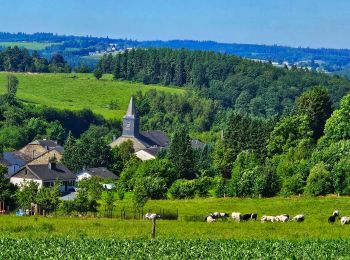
(52, 165)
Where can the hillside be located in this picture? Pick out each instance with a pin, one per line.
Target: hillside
(78, 91)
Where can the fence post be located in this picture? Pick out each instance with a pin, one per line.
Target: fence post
(153, 228)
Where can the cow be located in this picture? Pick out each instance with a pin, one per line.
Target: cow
(151, 216)
(268, 219)
(219, 215)
(236, 216)
(249, 216)
(254, 216)
(345, 220)
(299, 218)
(282, 218)
(210, 219)
(334, 216)
(336, 213)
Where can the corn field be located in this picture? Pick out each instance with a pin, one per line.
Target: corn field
(64, 248)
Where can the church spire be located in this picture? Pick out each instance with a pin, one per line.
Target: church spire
(131, 121)
(131, 108)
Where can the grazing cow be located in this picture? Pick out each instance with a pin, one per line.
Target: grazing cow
(345, 220)
(299, 218)
(151, 216)
(210, 219)
(236, 216)
(282, 218)
(219, 215)
(331, 219)
(254, 216)
(268, 219)
(336, 213)
(246, 217)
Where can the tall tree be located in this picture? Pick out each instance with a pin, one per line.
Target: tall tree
(180, 153)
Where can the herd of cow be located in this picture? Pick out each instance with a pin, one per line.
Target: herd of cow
(237, 216)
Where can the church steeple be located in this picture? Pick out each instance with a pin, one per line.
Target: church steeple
(131, 121)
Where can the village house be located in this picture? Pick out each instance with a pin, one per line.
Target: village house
(146, 143)
(45, 175)
(100, 172)
(36, 152)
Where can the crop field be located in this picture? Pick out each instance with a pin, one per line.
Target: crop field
(28, 45)
(63, 248)
(112, 238)
(79, 91)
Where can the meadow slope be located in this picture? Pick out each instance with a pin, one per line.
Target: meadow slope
(78, 91)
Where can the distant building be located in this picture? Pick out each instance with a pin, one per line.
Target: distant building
(45, 175)
(100, 172)
(36, 152)
(146, 143)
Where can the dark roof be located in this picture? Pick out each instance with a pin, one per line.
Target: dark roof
(16, 158)
(152, 151)
(154, 138)
(101, 172)
(48, 144)
(44, 173)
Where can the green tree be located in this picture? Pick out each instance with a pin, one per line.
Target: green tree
(319, 181)
(180, 153)
(98, 73)
(12, 84)
(48, 198)
(317, 105)
(7, 189)
(27, 194)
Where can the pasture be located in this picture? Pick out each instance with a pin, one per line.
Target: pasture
(315, 226)
(79, 91)
(28, 45)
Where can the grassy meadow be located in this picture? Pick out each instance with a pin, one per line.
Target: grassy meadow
(79, 91)
(315, 226)
(28, 45)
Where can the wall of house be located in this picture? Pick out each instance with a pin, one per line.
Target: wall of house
(11, 169)
(20, 181)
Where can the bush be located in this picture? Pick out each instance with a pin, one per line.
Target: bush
(319, 181)
(183, 189)
(203, 185)
(153, 188)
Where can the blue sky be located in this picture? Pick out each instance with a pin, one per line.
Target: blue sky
(313, 23)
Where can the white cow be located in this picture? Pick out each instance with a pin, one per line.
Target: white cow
(210, 219)
(282, 218)
(219, 215)
(151, 216)
(336, 213)
(299, 218)
(236, 216)
(345, 220)
(269, 219)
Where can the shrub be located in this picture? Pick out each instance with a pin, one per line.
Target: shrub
(183, 189)
(319, 181)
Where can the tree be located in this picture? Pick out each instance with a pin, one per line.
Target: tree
(27, 194)
(12, 84)
(319, 181)
(48, 198)
(7, 189)
(180, 153)
(92, 186)
(68, 157)
(317, 106)
(98, 73)
(121, 154)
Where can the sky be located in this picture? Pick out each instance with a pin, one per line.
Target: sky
(306, 23)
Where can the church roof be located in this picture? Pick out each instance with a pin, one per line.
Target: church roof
(154, 138)
(131, 108)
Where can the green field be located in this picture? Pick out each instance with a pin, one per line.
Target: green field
(79, 91)
(315, 226)
(28, 45)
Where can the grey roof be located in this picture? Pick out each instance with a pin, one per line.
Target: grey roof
(69, 196)
(48, 144)
(152, 151)
(154, 138)
(196, 144)
(101, 172)
(44, 173)
(131, 108)
(16, 158)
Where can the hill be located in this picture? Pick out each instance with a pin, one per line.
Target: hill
(77, 91)
(77, 49)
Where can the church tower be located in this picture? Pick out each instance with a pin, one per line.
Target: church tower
(131, 121)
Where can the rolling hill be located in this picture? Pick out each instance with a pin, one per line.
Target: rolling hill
(79, 91)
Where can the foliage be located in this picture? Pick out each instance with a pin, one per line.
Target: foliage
(26, 194)
(150, 188)
(319, 181)
(93, 187)
(48, 198)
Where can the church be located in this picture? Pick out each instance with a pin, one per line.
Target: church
(146, 143)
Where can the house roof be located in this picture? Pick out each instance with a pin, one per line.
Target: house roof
(101, 172)
(44, 173)
(148, 153)
(16, 158)
(196, 144)
(154, 138)
(50, 144)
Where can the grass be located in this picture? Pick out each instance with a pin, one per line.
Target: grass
(79, 91)
(316, 211)
(28, 45)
